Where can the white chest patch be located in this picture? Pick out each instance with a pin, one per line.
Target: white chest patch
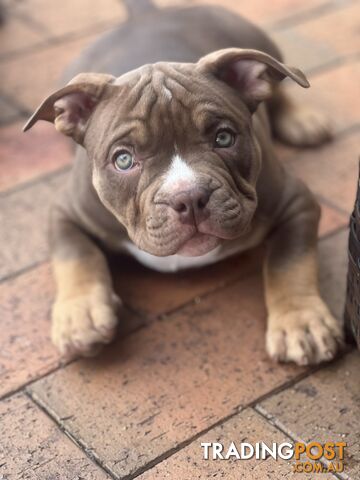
(175, 263)
(172, 263)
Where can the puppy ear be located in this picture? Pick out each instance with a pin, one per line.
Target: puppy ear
(251, 72)
(70, 108)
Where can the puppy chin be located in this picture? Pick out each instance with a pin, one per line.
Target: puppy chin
(200, 244)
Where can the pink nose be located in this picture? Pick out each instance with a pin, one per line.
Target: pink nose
(190, 204)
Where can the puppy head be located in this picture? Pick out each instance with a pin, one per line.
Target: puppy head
(173, 152)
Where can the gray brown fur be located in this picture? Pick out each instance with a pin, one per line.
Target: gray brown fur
(154, 95)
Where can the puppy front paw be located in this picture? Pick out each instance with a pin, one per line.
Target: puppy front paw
(304, 335)
(82, 324)
(302, 127)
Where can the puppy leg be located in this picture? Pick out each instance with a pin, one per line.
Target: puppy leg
(84, 314)
(295, 124)
(300, 328)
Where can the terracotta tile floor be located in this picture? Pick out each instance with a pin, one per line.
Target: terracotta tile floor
(189, 364)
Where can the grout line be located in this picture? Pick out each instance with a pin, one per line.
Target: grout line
(302, 376)
(308, 15)
(57, 40)
(10, 119)
(347, 131)
(30, 22)
(149, 320)
(151, 463)
(20, 112)
(280, 24)
(333, 64)
(15, 117)
(199, 298)
(334, 206)
(334, 232)
(22, 186)
(62, 364)
(23, 386)
(81, 445)
(181, 445)
(291, 435)
(14, 103)
(186, 442)
(15, 111)
(282, 428)
(340, 135)
(23, 270)
(94, 457)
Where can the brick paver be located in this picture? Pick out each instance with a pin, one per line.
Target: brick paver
(331, 171)
(17, 34)
(169, 381)
(327, 406)
(331, 219)
(334, 91)
(40, 71)
(199, 356)
(321, 40)
(33, 448)
(25, 348)
(178, 376)
(8, 111)
(60, 22)
(248, 426)
(154, 293)
(26, 351)
(26, 156)
(24, 225)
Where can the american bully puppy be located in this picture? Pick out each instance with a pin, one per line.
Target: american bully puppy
(176, 166)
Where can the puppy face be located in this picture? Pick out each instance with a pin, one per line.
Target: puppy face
(175, 160)
(173, 152)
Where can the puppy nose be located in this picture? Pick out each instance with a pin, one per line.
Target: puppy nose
(190, 204)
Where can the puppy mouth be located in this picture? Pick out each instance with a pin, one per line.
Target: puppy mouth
(174, 237)
(205, 239)
(198, 244)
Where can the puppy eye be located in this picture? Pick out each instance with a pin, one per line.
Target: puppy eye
(123, 160)
(224, 138)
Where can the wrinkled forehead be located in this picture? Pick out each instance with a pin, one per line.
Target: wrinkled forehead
(162, 103)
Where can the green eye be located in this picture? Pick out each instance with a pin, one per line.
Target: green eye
(123, 160)
(224, 139)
